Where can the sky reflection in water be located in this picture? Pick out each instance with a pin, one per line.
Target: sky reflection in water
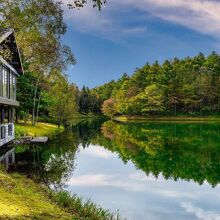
(103, 177)
(152, 171)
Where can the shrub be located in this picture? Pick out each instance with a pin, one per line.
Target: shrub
(108, 107)
(20, 132)
(85, 210)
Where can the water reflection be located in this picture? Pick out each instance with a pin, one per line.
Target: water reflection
(51, 163)
(113, 185)
(146, 170)
(186, 151)
(7, 157)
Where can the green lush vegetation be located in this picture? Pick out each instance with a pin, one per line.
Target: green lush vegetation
(188, 86)
(21, 198)
(44, 91)
(40, 129)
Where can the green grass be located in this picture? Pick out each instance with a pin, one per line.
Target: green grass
(22, 198)
(83, 210)
(128, 118)
(40, 129)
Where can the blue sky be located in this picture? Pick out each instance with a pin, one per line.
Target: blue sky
(127, 34)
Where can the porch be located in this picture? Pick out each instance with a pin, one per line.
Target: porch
(7, 133)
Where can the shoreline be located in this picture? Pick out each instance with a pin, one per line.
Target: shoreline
(182, 119)
(27, 198)
(24, 198)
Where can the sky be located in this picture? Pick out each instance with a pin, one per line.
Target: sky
(127, 34)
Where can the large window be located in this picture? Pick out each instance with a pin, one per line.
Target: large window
(7, 114)
(12, 86)
(7, 83)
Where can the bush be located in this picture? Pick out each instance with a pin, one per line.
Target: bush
(85, 210)
(44, 118)
(2, 167)
(108, 107)
(20, 132)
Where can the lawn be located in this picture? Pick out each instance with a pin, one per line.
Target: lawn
(40, 129)
(21, 198)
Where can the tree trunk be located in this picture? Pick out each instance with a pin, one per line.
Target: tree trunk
(25, 117)
(35, 96)
(59, 122)
(38, 105)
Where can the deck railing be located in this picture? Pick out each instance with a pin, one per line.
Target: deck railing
(6, 133)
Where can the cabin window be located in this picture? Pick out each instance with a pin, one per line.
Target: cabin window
(11, 86)
(14, 86)
(7, 83)
(3, 132)
(5, 78)
(10, 128)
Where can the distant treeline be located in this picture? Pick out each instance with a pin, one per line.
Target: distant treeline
(175, 87)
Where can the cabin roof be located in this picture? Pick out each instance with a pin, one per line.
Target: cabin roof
(8, 40)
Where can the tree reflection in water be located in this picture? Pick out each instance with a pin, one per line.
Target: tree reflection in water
(176, 150)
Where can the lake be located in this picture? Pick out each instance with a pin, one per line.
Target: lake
(154, 170)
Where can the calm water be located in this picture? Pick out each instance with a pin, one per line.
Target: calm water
(144, 170)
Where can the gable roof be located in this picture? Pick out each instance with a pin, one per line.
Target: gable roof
(7, 40)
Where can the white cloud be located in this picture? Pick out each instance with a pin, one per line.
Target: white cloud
(102, 23)
(103, 180)
(199, 15)
(200, 213)
(130, 184)
(96, 151)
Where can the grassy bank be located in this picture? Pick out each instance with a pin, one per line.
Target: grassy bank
(21, 198)
(127, 118)
(40, 129)
(24, 198)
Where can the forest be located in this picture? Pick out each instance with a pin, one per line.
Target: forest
(44, 90)
(188, 86)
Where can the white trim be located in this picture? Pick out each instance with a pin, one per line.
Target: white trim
(6, 35)
(10, 102)
(8, 137)
(9, 66)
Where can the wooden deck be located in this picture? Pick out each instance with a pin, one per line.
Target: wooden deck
(39, 140)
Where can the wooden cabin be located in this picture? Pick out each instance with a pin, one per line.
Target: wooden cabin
(10, 69)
